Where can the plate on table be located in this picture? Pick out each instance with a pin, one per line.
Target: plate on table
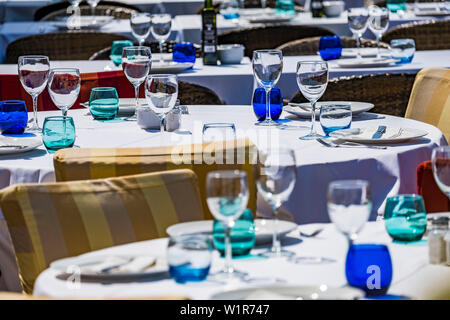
(291, 292)
(170, 67)
(83, 22)
(269, 19)
(263, 229)
(365, 52)
(248, 12)
(113, 267)
(392, 135)
(431, 12)
(303, 110)
(11, 145)
(365, 62)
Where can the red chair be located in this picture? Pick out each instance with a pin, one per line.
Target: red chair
(435, 200)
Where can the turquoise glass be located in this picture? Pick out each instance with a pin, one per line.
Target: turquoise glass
(285, 7)
(58, 133)
(242, 235)
(116, 50)
(405, 217)
(396, 5)
(104, 103)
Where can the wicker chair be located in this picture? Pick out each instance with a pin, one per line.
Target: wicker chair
(310, 46)
(388, 92)
(117, 10)
(190, 93)
(72, 45)
(428, 35)
(254, 4)
(269, 37)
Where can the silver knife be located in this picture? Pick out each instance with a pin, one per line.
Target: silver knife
(379, 133)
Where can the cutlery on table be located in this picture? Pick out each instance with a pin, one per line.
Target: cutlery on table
(331, 144)
(379, 133)
(311, 234)
(13, 146)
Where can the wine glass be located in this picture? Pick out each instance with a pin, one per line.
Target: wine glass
(161, 92)
(276, 176)
(64, 87)
(33, 75)
(93, 4)
(358, 19)
(136, 64)
(75, 3)
(161, 26)
(378, 23)
(441, 168)
(349, 206)
(267, 67)
(140, 23)
(312, 80)
(227, 198)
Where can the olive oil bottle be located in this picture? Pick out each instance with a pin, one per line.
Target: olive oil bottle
(209, 34)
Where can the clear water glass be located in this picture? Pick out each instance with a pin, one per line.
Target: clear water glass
(189, 257)
(64, 87)
(93, 4)
(358, 19)
(312, 80)
(140, 23)
(161, 92)
(403, 49)
(104, 103)
(349, 206)
(229, 9)
(378, 23)
(136, 64)
(213, 132)
(75, 3)
(161, 27)
(33, 75)
(58, 133)
(227, 198)
(267, 68)
(335, 117)
(441, 168)
(276, 176)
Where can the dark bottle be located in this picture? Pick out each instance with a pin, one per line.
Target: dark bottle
(209, 33)
(317, 8)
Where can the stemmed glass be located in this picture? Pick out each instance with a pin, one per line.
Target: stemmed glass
(161, 91)
(161, 26)
(93, 4)
(136, 64)
(378, 23)
(276, 176)
(64, 87)
(358, 19)
(441, 168)
(140, 23)
(312, 80)
(267, 67)
(33, 75)
(75, 3)
(227, 198)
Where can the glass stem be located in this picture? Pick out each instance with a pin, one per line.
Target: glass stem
(161, 126)
(228, 268)
(93, 10)
(313, 117)
(276, 244)
(136, 94)
(358, 45)
(35, 120)
(378, 46)
(268, 115)
(161, 50)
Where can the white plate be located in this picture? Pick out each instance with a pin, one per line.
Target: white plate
(390, 136)
(263, 229)
(269, 19)
(170, 67)
(72, 266)
(365, 52)
(432, 12)
(291, 292)
(84, 22)
(303, 110)
(248, 12)
(365, 62)
(28, 143)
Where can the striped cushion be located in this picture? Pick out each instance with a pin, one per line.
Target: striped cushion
(52, 221)
(430, 99)
(76, 164)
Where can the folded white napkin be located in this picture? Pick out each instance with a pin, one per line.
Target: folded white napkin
(147, 119)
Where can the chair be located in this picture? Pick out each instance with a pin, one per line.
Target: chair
(115, 9)
(428, 35)
(84, 163)
(435, 200)
(270, 36)
(429, 101)
(57, 220)
(388, 92)
(310, 46)
(190, 93)
(72, 45)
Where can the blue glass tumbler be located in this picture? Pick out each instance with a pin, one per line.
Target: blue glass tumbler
(330, 47)
(58, 133)
(116, 50)
(13, 116)
(369, 268)
(259, 103)
(184, 52)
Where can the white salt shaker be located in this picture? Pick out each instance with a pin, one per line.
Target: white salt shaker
(173, 119)
(436, 241)
(447, 246)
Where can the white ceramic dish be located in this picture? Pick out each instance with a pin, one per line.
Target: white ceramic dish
(230, 53)
(269, 19)
(333, 8)
(83, 22)
(392, 135)
(303, 110)
(365, 52)
(18, 144)
(248, 12)
(170, 67)
(365, 62)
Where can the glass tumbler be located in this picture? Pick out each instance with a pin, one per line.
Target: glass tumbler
(116, 50)
(330, 47)
(58, 133)
(13, 116)
(403, 49)
(335, 117)
(104, 103)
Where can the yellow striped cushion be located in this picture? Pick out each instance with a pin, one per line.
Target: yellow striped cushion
(430, 99)
(52, 221)
(81, 163)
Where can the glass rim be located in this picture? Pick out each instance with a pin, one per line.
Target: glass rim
(404, 196)
(403, 40)
(161, 76)
(65, 69)
(137, 48)
(181, 237)
(227, 174)
(103, 89)
(34, 57)
(337, 105)
(368, 246)
(267, 51)
(219, 124)
(51, 118)
(348, 184)
(12, 101)
(312, 62)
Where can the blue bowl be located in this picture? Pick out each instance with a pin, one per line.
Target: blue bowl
(330, 47)
(13, 116)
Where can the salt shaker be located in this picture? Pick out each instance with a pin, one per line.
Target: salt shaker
(436, 242)
(447, 246)
(173, 119)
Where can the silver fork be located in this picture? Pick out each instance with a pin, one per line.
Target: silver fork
(331, 144)
(398, 134)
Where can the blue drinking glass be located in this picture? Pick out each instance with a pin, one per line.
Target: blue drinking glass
(104, 103)
(116, 50)
(184, 52)
(58, 133)
(403, 49)
(330, 47)
(13, 116)
(335, 117)
(369, 268)
(259, 103)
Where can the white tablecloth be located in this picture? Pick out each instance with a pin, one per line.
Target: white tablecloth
(409, 260)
